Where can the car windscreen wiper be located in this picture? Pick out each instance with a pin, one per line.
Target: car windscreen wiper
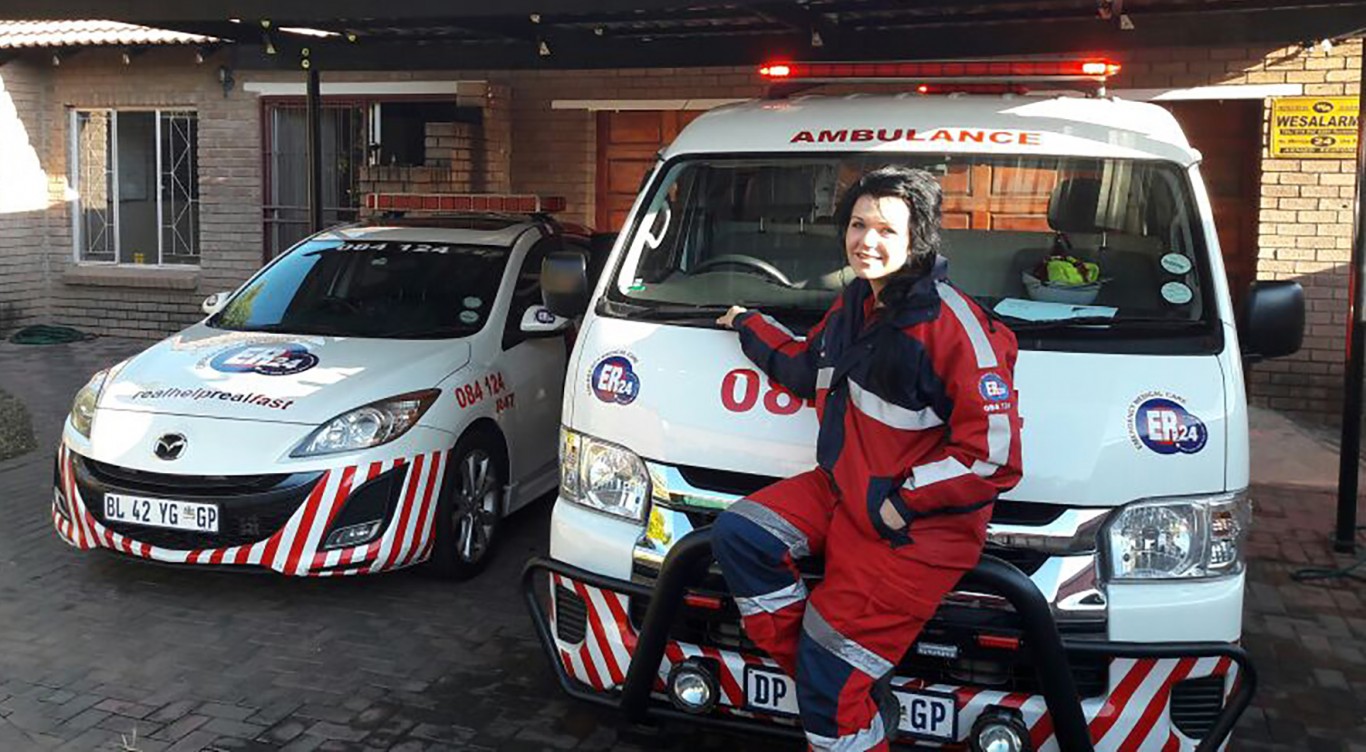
(673, 312)
(1130, 323)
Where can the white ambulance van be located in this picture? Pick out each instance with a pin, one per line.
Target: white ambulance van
(1107, 612)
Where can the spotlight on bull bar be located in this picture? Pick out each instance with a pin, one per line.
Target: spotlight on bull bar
(999, 729)
(692, 687)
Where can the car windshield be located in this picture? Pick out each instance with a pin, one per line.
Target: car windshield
(394, 290)
(1047, 243)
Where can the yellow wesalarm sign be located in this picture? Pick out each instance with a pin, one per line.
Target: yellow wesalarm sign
(1314, 127)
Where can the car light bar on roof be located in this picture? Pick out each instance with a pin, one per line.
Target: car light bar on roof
(978, 71)
(523, 203)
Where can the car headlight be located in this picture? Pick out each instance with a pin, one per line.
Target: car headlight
(1178, 538)
(83, 407)
(367, 426)
(602, 476)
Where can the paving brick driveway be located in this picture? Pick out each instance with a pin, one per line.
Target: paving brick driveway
(102, 653)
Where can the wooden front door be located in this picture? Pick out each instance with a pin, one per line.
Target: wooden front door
(997, 197)
(627, 145)
(1229, 134)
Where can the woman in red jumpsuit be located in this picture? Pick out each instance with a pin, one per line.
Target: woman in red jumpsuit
(919, 432)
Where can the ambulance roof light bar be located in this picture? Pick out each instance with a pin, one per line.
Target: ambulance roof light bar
(950, 73)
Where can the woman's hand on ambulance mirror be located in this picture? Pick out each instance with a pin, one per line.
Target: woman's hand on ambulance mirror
(728, 318)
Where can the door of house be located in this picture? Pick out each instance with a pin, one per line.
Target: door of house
(627, 145)
(1229, 134)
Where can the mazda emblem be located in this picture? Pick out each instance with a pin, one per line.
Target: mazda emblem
(170, 447)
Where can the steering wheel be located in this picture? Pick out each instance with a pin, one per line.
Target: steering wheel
(739, 259)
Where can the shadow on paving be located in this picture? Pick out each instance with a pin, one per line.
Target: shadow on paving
(96, 649)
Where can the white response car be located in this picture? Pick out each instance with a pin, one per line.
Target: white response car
(376, 397)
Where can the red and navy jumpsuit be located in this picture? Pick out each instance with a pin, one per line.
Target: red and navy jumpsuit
(919, 432)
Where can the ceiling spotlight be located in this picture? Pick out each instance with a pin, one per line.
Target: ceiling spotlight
(535, 17)
(543, 49)
(56, 59)
(127, 57)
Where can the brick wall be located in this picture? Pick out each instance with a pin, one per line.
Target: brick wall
(149, 302)
(25, 193)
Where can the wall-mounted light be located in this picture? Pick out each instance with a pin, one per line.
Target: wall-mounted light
(226, 79)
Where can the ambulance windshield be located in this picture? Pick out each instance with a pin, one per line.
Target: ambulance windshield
(1051, 242)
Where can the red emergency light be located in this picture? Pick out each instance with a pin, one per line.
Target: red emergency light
(958, 71)
(465, 202)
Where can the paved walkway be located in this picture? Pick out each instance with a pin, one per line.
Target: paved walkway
(100, 653)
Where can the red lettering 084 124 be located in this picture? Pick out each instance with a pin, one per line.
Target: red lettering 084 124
(741, 389)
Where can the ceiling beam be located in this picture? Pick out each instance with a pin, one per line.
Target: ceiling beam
(142, 11)
(1270, 28)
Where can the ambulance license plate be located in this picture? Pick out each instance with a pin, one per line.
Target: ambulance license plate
(928, 715)
(164, 513)
(769, 690)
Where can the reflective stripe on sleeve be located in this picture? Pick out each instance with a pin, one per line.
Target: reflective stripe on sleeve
(998, 446)
(935, 472)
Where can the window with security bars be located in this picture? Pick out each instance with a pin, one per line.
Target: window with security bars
(136, 174)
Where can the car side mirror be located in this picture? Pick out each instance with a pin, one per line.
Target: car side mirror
(538, 321)
(564, 283)
(1272, 324)
(215, 303)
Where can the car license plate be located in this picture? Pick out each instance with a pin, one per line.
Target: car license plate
(769, 690)
(928, 715)
(175, 515)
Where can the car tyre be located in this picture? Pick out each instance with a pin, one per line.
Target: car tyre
(470, 509)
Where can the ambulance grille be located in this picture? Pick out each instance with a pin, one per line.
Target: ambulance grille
(743, 484)
(571, 615)
(1196, 704)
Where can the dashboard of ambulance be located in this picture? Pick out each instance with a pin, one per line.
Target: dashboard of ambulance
(1073, 254)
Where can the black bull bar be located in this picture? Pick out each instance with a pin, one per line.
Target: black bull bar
(690, 557)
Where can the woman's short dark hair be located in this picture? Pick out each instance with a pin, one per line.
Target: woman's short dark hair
(923, 196)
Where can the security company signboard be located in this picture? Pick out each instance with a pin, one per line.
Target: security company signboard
(1314, 127)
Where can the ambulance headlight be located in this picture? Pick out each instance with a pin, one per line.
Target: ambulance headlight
(602, 476)
(83, 406)
(1178, 538)
(367, 426)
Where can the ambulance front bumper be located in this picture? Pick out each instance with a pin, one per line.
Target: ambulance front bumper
(606, 652)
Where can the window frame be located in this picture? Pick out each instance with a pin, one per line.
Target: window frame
(74, 168)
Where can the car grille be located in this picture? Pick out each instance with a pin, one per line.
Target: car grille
(251, 508)
(1196, 704)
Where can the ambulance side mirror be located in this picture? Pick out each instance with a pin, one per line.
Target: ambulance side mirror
(1272, 324)
(564, 283)
(215, 303)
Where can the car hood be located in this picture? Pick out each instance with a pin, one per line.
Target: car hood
(1098, 429)
(287, 378)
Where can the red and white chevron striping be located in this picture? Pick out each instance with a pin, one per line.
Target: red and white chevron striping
(1131, 718)
(295, 548)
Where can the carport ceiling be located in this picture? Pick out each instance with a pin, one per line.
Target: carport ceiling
(437, 34)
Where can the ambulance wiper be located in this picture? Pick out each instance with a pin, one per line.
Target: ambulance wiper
(1107, 322)
(678, 312)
